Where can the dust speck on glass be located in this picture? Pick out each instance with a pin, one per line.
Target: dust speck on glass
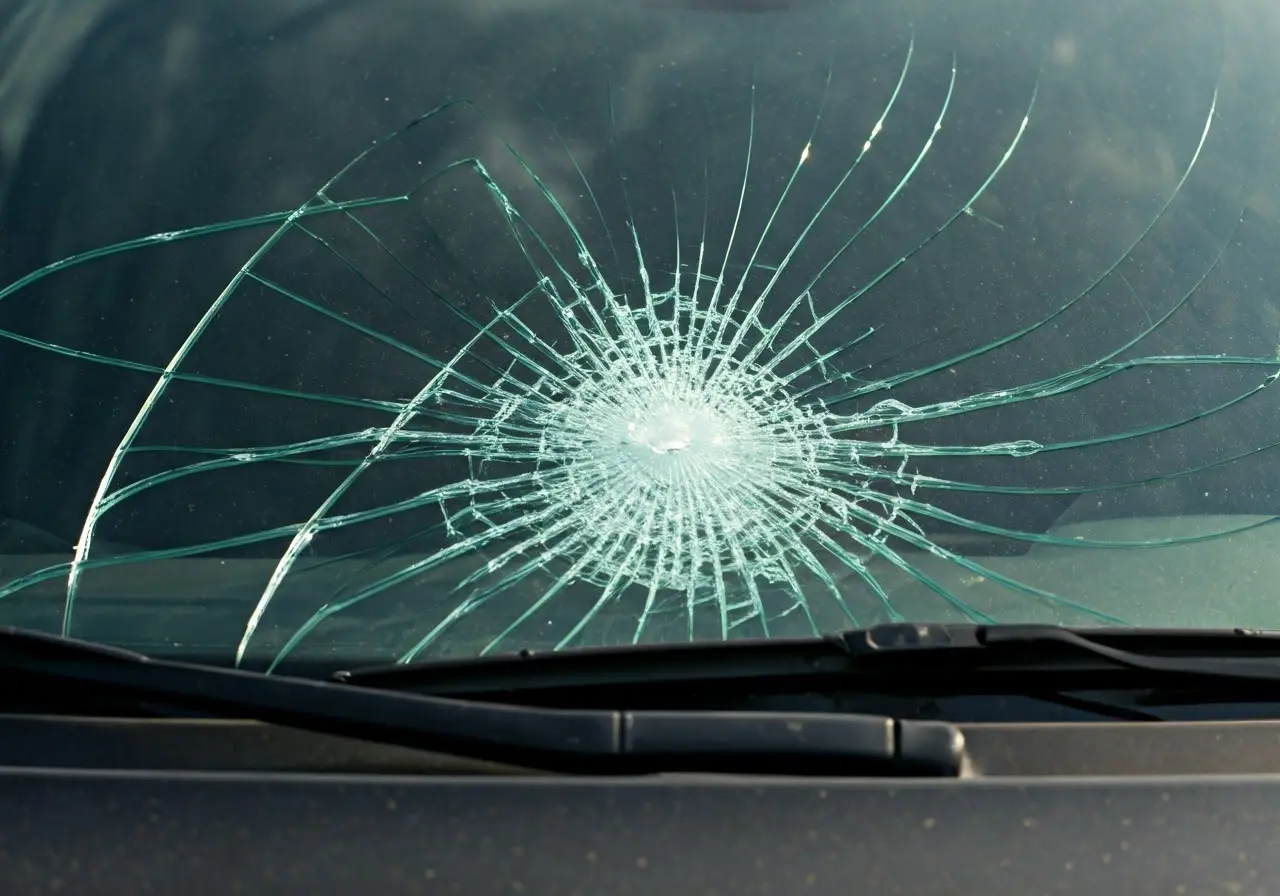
(401, 331)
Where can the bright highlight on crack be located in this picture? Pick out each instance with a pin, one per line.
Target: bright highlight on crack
(636, 456)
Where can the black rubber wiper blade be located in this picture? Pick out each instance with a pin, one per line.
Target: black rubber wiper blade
(898, 656)
(1247, 655)
(596, 667)
(571, 741)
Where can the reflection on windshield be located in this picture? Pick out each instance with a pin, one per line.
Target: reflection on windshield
(627, 396)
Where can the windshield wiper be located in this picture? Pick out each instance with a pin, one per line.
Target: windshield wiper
(41, 668)
(900, 658)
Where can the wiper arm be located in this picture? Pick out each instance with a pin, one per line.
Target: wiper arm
(573, 741)
(899, 656)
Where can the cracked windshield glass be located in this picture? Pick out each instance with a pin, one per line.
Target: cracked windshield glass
(372, 331)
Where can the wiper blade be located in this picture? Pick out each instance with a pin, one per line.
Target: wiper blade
(572, 741)
(898, 657)
(1238, 654)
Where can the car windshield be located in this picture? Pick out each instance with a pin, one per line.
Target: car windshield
(403, 331)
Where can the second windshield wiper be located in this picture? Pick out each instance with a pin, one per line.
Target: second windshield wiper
(900, 657)
(39, 671)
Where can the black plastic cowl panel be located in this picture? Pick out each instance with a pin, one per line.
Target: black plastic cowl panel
(196, 834)
(1061, 811)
